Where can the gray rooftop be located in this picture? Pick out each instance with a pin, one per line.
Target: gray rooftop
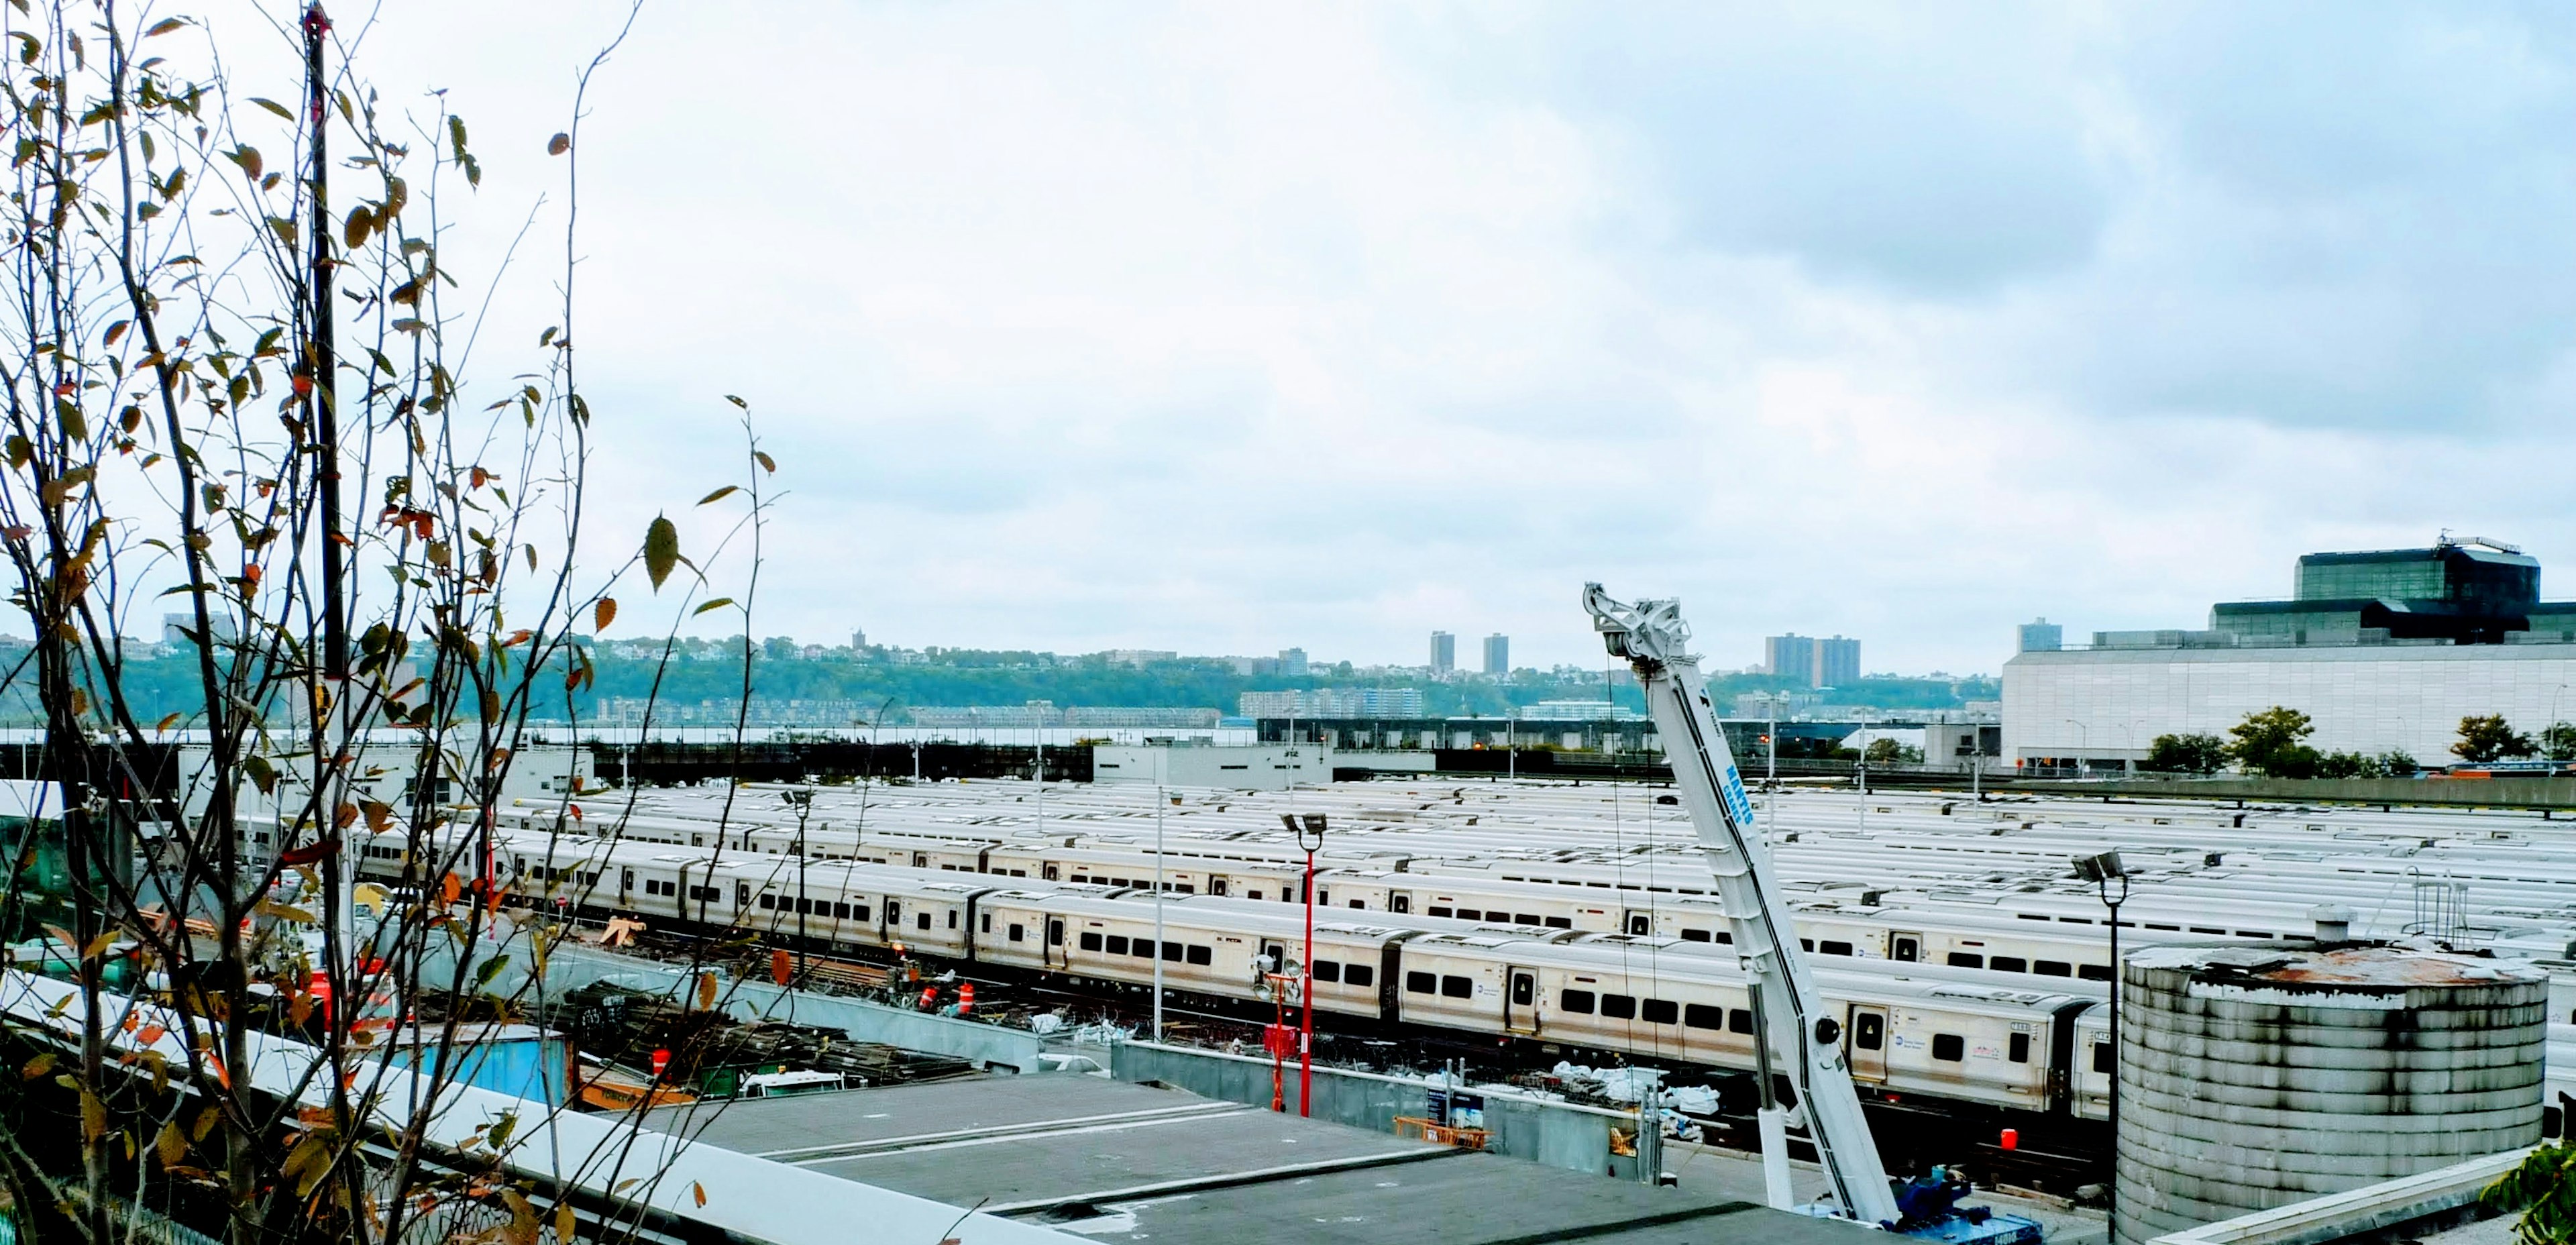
(1117, 1161)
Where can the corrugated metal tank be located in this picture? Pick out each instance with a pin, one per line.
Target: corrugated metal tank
(2253, 1077)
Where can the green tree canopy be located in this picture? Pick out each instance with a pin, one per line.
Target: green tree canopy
(2490, 738)
(2271, 743)
(2187, 754)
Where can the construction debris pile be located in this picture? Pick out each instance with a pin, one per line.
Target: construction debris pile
(634, 1039)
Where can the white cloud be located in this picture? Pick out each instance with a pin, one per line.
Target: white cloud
(1230, 328)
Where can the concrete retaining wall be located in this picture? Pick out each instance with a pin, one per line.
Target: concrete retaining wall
(1557, 1134)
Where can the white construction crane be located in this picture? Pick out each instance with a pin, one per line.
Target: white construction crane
(1651, 635)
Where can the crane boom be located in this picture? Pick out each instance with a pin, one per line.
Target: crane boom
(1650, 636)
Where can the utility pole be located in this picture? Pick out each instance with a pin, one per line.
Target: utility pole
(1162, 761)
(2104, 870)
(1311, 824)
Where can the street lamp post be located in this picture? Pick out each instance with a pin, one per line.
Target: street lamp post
(1309, 830)
(1162, 758)
(2103, 871)
(2083, 743)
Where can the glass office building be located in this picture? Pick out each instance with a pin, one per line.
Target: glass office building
(2381, 649)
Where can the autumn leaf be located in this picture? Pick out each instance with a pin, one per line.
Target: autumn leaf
(603, 613)
(661, 550)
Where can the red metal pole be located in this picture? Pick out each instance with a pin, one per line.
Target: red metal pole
(1306, 972)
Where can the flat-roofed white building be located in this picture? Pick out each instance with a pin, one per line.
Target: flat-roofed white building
(2105, 706)
(1253, 767)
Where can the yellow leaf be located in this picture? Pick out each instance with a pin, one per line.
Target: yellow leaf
(699, 1189)
(171, 1144)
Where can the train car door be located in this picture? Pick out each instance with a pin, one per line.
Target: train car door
(1637, 921)
(1904, 947)
(1520, 1000)
(1398, 901)
(1868, 1043)
(1216, 884)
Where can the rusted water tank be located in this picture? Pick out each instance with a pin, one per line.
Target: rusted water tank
(2253, 1077)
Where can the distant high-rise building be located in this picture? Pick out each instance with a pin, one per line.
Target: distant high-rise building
(2042, 636)
(1444, 652)
(1791, 656)
(1292, 662)
(1832, 661)
(1837, 662)
(858, 637)
(1498, 654)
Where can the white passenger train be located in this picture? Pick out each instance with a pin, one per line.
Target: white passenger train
(1909, 1029)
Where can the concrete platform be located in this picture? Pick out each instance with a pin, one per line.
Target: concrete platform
(1114, 1161)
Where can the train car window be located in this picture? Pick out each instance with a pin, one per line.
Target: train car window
(1014, 933)
(1202, 955)
(1185, 888)
(2053, 968)
(1457, 988)
(1117, 943)
(1019, 873)
(1394, 903)
(2253, 933)
(1560, 922)
(2153, 925)
(1252, 894)
(1328, 970)
(1047, 872)
(1619, 1006)
(1359, 903)
(1703, 1016)
(1471, 914)
(2019, 1048)
(2009, 964)
(1081, 877)
(1806, 944)
(2204, 929)
(858, 912)
(767, 900)
(1739, 1020)
(1524, 990)
(1142, 948)
(2101, 1056)
(1869, 1031)
(1172, 951)
(952, 918)
(1662, 1012)
(921, 919)
(1420, 983)
(1055, 933)
(1436, 910)
(988, 922)
(1090, 941)
(1949, 1047)
(2093, 972)
(1726, 937)
(1641, 924)
(1694, 935)
(840, 911)
(1834, 948)
(894, 910)
(1578, 1002)
(1967, 959)
(626, 879)
(1358, 975)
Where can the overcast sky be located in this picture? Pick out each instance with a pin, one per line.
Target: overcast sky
(1229, 327)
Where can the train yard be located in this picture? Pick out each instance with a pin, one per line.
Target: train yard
(1512, 925)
